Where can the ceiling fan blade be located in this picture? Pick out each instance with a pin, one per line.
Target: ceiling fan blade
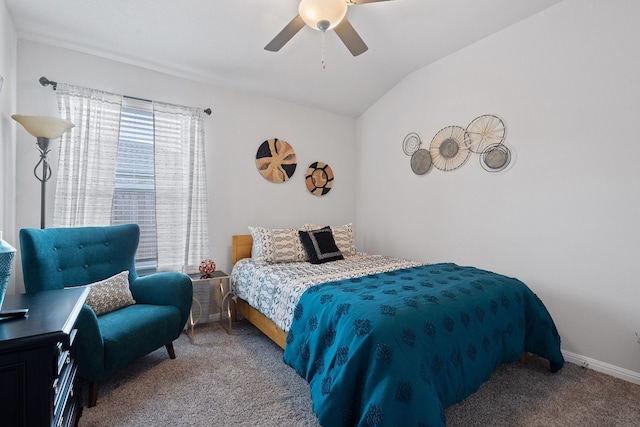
(364, 1)
(290, 30)
(350, 37)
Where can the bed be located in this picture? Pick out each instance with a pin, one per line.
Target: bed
(391, 342)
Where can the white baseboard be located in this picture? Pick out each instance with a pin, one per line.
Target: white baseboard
(605, 368)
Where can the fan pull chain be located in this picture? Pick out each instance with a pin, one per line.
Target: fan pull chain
(323, 61)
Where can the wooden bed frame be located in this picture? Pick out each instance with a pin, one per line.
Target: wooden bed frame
(240, 249)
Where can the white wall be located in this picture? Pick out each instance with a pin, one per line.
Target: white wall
(565, 218)
(8, 44)
(238, 195)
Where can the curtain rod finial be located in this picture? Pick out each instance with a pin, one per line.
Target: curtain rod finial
(208, 111)
(46, 82)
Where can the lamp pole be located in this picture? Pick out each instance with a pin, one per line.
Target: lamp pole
(43, 146)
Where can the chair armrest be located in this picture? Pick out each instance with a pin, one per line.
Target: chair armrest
(166, 288)
(89, 345)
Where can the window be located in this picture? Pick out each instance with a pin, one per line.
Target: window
(134, 190)
(108, 174)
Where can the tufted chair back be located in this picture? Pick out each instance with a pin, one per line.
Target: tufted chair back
(55, 258)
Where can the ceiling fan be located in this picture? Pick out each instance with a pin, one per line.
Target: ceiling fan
(323, 15)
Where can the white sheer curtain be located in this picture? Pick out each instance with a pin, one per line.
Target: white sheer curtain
(181, 192)
(88, 156)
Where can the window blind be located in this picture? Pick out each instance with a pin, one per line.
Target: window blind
(134, 196)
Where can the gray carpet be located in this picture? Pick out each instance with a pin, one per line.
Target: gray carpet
(240, 380)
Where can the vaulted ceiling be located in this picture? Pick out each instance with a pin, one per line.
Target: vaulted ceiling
(222, 42)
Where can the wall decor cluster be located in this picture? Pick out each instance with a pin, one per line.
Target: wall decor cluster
(452, 146)
(319, 178)
(276, 160)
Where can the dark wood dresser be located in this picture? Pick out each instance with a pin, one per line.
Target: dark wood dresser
(38, 381)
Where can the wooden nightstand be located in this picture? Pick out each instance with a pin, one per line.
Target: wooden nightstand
(211, 302)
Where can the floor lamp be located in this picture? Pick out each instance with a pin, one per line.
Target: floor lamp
(44, 129)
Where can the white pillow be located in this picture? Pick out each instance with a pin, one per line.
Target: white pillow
(343, 235)
(110, 294)
(273, 245)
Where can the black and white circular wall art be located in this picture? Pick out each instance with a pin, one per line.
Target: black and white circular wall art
(276, 160)
(319, 178)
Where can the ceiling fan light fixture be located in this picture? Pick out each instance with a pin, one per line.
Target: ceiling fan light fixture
(317, 13)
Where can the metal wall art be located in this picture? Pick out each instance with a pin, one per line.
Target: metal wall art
(276, 160)
(448, 149)
(495, 158)
(421, 161)
(420, 157)
(411, 143)
(484, 131)
(451, 147)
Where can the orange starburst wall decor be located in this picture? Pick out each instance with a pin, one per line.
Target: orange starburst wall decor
(276, 160)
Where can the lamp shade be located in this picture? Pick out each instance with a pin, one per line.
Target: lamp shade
(42, 126)
(7, 252)
(313, 12)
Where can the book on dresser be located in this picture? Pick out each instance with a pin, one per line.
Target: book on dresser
(38, 380)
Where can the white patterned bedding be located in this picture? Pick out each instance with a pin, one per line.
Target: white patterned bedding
(274, 289)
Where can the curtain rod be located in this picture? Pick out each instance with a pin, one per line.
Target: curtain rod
(46, 82)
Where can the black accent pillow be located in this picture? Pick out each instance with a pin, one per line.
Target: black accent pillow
(320, 245)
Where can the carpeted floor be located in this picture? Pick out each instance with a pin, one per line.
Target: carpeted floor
(240, 380)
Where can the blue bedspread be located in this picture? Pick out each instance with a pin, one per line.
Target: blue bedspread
(397, 348)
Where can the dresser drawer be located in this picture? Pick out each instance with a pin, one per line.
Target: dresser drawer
(63, 384)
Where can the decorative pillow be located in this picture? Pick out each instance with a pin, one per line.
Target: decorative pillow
(344, 239)
(320, 245)
(110, 294)
(274, 245)
(309, 227)
(342, 234)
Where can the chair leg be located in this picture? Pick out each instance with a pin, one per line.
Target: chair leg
(93, 393)
(523, 357)
(169, 347)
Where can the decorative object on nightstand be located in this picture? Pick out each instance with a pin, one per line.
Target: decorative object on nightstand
(44, 129)
(207, 267)
(209, 294)
(7, 252)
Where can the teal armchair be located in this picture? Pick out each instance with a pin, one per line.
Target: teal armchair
(56, 258)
